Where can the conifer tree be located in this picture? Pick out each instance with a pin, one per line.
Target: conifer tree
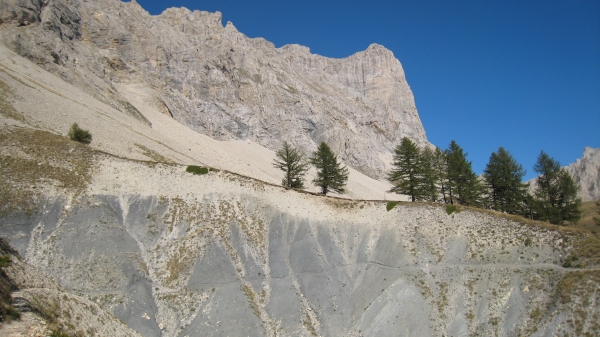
(463, 185)
(556, 193)
(293, 164)
(503, 177)
(429, 172)
(330, 174)
(407, 174)
(440, 168)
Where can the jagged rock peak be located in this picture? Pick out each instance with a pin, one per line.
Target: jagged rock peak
(586, 173)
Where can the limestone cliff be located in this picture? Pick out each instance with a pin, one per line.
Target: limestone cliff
(219, 82)
(586, 173)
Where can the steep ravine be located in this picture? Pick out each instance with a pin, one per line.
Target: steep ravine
(176, 254)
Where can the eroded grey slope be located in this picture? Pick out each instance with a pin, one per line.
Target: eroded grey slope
(220, 255)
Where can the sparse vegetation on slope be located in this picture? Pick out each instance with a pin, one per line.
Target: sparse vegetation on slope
(7, 311)
(31, 158)
(80, 135)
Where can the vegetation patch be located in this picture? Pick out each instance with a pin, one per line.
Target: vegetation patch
(5, 261)
(577, 290)
(252, 299)
(199, 170)
(51, 312)
(590, 216)
(6, 107)
(30, 159)
(157, 157)
(586, 251)
(451, 209)
(308, 324)
(391, 204)
(80, 135)
(7, 312)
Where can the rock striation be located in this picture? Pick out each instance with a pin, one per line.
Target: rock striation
(219, 82)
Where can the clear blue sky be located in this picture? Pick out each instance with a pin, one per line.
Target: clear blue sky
(524, 75)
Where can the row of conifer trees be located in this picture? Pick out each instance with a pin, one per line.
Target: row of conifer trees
(446, 176)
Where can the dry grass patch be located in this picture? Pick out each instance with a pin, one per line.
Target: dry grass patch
(6, 107)
(577, 291)
(32, 158)
(589, 211)
(157, 157)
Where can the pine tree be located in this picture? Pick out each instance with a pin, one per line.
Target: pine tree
(330, 174)
(503, 177)
(440, 168)
(463, 185)
(293, 164)
(430, 177)
(407, 174)
(556, 193)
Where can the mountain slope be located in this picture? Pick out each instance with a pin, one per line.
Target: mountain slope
(586, 173)
(53, 105)
(219, 82)
(122, 224)
(176, 254)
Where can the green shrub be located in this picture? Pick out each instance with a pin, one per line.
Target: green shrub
(528, 242)
(571, 262)
(80, 135)
(390, 205)
(8, 313)
(451, 209)
(197, 169)
(5, 261)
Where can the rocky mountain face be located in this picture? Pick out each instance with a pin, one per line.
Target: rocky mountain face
(219, 82)
(586, 173)
(120, 227)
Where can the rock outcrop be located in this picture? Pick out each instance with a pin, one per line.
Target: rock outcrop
(586, 173)
(62, 312)
(219, 82)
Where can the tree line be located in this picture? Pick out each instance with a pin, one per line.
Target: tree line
(446, 176)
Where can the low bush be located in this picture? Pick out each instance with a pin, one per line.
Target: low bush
(197, 169)
(80, 135)
(390, 205)
(451, 209)
(5, 261)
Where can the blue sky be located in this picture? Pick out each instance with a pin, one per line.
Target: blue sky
(524, 75)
